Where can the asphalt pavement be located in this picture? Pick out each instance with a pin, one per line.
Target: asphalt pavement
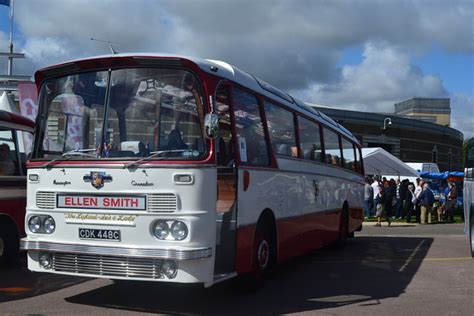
(399, 270)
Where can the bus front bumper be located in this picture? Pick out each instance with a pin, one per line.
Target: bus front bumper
(182, 265)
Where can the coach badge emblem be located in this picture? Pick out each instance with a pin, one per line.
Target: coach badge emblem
(97, 179)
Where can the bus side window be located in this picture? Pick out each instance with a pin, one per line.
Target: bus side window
(9, 164)
(224, 146)
(310, 140)
(348, 154)
(331, 147)
(281, 128)
(251, 143)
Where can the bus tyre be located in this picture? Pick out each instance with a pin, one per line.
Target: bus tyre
(262, 254)
(263, 259)
(8, 246)
(343, 228)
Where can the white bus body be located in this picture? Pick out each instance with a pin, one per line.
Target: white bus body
(99, 211)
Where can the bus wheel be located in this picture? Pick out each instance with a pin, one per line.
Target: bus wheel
(8, 246)
(343, 227)
(264, 255)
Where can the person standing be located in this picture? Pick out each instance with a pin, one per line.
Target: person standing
(451, 201)
(426, 199)
(390, 188)
(410, 201)
(381, 208)
(368, 194)
(376, 189)
(418, 189)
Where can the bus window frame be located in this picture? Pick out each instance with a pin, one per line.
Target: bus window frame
(271, 162)
(41, 122)
(321, 143)
(295, 127)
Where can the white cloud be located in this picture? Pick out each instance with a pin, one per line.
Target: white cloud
(385, 76)
(462, 114)
(294, 46)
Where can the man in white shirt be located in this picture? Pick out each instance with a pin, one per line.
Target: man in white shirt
(376, 188)
(418, 190)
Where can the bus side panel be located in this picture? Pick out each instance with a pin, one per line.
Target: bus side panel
(299, 235)
(306, 199)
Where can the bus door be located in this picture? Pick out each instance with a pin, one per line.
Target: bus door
(226, 217)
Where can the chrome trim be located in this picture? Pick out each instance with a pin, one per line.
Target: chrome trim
(157, 253)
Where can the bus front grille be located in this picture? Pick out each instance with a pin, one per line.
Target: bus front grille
(108, 266)
(46, 200)
(162, 202)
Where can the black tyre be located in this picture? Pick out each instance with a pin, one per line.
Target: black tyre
(9, 245)
(343, 228)
(262, 253)
(263, 259)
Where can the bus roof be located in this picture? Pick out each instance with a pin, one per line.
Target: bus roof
(214, 67)
(16, 121)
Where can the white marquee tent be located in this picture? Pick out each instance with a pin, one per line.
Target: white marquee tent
(378, 161)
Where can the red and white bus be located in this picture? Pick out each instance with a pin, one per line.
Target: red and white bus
(12, 184)
(178, 169)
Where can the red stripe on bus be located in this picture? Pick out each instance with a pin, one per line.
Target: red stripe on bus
(296, 235)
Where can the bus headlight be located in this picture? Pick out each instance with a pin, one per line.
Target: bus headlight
(179, 230)
(34, 224)
(45, 260)
(49, 225)
(161, 230)
(170, 269)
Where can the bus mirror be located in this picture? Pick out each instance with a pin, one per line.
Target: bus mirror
(211, 125)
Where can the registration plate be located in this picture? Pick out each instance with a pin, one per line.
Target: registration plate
(99, 234)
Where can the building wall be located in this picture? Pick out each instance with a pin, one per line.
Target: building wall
(441, 119)
(408, 139)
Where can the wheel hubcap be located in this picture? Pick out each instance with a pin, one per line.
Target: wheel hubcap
(263, 254)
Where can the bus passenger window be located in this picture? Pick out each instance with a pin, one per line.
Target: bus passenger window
(252, 147)
(281, 128)
(331, 146)
(348, 155)
(310, 140)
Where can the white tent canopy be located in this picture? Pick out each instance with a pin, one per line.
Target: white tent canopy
(378, 161)
(7, 104)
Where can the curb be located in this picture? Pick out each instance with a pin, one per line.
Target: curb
(393, 224)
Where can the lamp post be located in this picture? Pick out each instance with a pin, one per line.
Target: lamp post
(386, 122)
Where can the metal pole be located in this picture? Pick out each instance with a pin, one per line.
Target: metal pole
(10, 59)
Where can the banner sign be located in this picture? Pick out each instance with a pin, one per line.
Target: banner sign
(28, 99)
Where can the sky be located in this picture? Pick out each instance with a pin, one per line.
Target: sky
(359, 55)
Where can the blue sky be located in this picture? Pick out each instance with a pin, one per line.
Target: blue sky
(364, 55)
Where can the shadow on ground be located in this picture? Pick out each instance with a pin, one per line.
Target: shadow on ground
(18, 282)
(367, 270)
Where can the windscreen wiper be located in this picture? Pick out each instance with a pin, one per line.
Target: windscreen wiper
(155, 154)
(70, 154)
